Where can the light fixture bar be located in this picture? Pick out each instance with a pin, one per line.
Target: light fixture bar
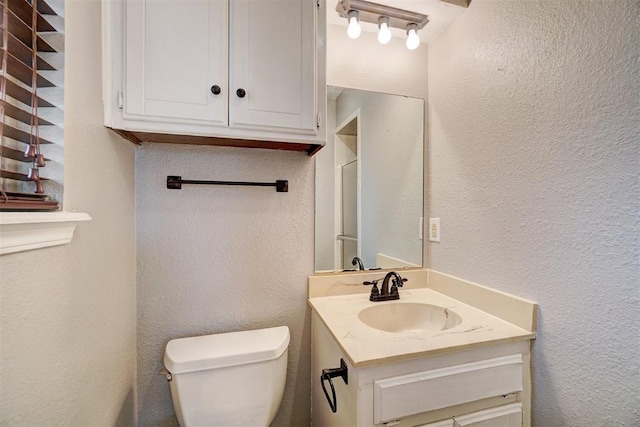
(371, 12)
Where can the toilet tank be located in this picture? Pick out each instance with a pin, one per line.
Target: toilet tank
(230, 379)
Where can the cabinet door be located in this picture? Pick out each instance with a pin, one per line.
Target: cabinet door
(272, 58)
(175, 51)
(502, 416)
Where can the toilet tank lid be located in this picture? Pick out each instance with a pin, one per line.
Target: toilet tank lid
(222, 350)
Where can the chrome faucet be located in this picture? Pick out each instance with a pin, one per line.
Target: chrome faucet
(358, 261)
(386, 294)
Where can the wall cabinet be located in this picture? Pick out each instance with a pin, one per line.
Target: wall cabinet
(481, 387)
(220, 72)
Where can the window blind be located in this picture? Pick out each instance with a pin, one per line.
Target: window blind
(30, 105)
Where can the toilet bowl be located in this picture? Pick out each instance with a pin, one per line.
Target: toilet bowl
(230, 379)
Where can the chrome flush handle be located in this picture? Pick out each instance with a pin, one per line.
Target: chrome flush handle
(166, 374)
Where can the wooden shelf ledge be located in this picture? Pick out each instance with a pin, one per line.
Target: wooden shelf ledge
(138, 138)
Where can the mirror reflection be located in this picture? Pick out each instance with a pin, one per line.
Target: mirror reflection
(369, 182)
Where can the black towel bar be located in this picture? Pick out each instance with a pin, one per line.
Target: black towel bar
(175, 183)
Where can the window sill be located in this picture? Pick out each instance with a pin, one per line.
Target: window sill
(24, 231)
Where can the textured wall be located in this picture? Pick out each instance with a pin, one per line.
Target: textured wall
(535, 130)
(67, 325)
(216, 259)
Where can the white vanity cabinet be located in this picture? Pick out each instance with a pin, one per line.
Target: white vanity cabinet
(219, 72)
(486, 386)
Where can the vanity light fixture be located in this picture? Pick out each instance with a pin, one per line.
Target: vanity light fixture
(385, 17)
(413, 40)
(384, 33)
(353, 30)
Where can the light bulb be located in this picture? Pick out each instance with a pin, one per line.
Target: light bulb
(413, 40)
(384, 33)
(353, 30)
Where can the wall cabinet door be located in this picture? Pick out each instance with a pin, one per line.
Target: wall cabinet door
(272, 58)
(175, 51)
(229, 70)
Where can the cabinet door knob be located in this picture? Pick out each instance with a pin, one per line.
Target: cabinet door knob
(215, 89)
(241, 93)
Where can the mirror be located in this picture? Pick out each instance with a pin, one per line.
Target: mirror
(369, 182)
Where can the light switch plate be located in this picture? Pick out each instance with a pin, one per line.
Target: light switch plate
(434, 229)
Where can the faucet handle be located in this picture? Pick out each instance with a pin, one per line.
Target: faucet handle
(400, 283)
(393, 290)
(375, 292)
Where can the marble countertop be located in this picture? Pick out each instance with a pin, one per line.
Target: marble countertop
(366, 346)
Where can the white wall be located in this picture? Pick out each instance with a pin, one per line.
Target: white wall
(366, 64)
(535, 124)
(67, 325)
(217, 259)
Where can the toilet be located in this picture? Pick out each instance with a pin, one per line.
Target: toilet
(230, 379)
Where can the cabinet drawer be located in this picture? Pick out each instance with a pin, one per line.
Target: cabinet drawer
(502, 416)
(443, 423)
(411, 394)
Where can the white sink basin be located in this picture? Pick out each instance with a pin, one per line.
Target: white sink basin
(409, 317)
